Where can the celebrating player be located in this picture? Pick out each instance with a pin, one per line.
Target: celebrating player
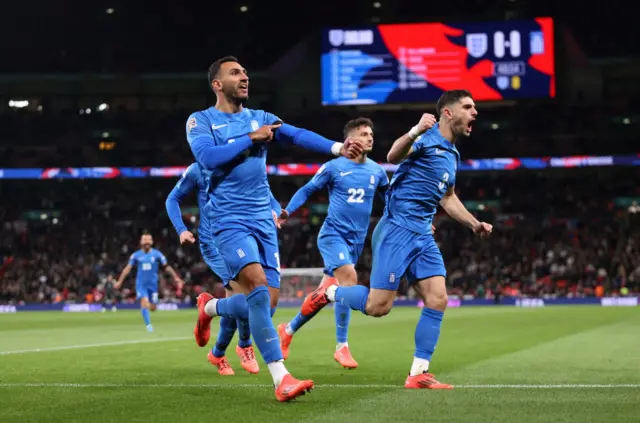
(231, 141)
(352, 184)
(147, 260)
(403, 244)
(195, 179)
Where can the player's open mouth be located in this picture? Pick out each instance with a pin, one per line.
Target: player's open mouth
(243, 87)
(470, 125)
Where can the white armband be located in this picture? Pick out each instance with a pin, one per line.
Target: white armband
(336, 147)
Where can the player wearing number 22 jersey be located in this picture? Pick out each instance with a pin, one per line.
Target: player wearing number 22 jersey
(352, 185)
(403, 244)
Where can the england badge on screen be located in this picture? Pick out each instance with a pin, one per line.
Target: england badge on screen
(336, 37)
(477, 44)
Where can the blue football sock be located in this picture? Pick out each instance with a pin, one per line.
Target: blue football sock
(262, 329)
(343, 315)
(244, 333)
(228, 326)
(146, 316)
(299, 320)
(354, 297)
(427, 332)
(235, 307)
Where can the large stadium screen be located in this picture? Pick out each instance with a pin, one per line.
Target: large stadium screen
(407, 63)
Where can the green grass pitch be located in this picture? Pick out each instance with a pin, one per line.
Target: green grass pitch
(556, 364)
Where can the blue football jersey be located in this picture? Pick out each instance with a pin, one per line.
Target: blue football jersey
(352, 187)
(196, 178)
(239, 189)
(421, 181)
(147, 266)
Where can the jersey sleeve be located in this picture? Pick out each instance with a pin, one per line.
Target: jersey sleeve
(323, 176)
(271, 119)
(132, 259)
(209, 151)
(420, 145)
(198, 127)
(383, 184)
(161, 258)
(185, 185)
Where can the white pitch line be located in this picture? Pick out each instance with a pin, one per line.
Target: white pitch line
(104, 344)
(330, 386)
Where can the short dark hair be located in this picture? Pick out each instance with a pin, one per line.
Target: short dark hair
(355, 123)
(214, 69)
(449, 97)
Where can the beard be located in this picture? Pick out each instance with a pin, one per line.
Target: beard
(231, 94)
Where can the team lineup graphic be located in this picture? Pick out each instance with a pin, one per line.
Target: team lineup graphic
(240, 218)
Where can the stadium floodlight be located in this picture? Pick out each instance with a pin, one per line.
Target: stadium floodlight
(243, 8)
(110, 11)
(377, 5)
(18, 104)
(87, 111)
(102, 107)
(105, 135)
(626, 121)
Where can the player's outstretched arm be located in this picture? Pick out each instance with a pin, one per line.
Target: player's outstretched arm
(300, 197)
(177, 279)
(403, 146)
(210, 155)
(172, 204)
(123, 275)
(454, 208)
(311, 141)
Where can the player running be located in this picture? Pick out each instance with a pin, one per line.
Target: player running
(195, 179)
(147, 260)
(352, 184)
(231, 142)
(403, 244)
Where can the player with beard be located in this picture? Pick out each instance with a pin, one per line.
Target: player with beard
(230, 141)
(147, 260)
(403, 243)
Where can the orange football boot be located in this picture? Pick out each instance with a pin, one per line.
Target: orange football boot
(285, 340)
(315, 301)
(343, 356)
(248, 359)
(424, 381)
(224, 368)
(291, 388)
(202, 331)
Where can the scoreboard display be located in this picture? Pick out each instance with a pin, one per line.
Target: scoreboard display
(408, 63)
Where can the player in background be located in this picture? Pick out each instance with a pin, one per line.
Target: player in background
(231, 142)
(147, 260)
(109, 297)
(194, 179)
(352, 184)
(403, 244)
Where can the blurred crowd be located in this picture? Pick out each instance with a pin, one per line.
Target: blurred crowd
(565, 233)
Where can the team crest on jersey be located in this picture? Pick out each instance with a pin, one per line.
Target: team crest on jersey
(255, 125)
(191, 123)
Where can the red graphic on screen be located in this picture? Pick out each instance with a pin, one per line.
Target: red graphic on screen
(443, 64)
(544, 63)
